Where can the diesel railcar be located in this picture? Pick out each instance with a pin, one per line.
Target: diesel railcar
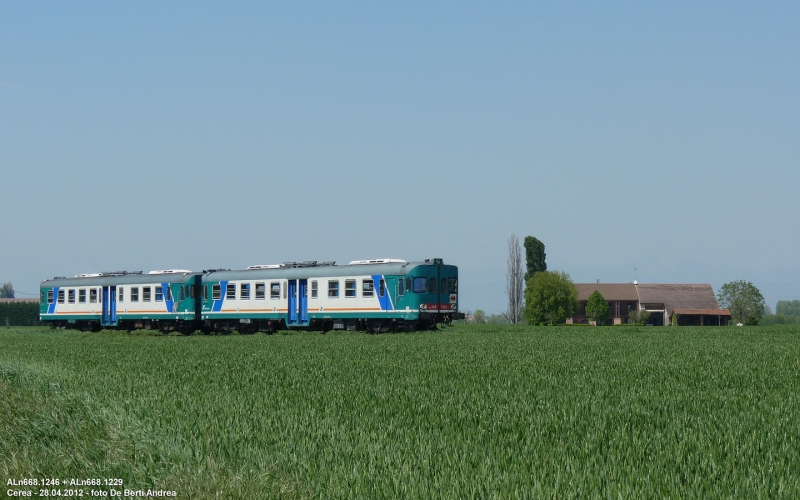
(379, 295)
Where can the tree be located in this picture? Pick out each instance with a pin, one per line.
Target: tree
(788, 307)
(534, 257)
(550, 296)
(514, 280)
(743, 300)
(638, 316)
(479, 317)
(7, 291)
(596, 307)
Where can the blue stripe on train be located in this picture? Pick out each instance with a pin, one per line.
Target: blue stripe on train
(168, 299)
(51, 308)
(386, 300)
(223, 285)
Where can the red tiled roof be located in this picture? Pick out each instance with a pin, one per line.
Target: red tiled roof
(673, 297)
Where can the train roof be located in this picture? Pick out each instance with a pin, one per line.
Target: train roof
(319, 271)
(392, 267)
(120, 278)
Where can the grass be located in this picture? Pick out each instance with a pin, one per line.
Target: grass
(472, 412)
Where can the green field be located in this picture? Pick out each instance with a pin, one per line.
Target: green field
(471, 412)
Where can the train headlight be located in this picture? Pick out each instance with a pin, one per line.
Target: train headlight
(422, 307)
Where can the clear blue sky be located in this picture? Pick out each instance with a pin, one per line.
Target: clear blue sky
(658, 136)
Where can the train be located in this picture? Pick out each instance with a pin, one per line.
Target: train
(377, 296)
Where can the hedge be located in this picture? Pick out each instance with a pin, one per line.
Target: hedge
(19, 313)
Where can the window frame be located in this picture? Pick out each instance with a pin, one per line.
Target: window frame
(159, 293)
(93, 295)
(314, 289)
(263, 286)
(120, 294)
(333, 289)
(382, 287)
(401, 289)
(50, 296)
(452, 285)
(368, 292)
(147, 293)
(82, 296)
(134, 294)
(71, 295)
(62, 296)
(420, 279)
(275, 290)
(230, 291)
(244, 291)
(216, 292)
(432, 285)
(350, 290)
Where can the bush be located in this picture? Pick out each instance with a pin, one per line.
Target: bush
(638, 316)
(19, 313)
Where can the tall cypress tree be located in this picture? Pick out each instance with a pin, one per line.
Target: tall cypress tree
(534, 257)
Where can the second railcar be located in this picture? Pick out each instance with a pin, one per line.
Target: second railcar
(379, 296)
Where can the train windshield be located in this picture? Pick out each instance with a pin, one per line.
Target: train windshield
(420, 285)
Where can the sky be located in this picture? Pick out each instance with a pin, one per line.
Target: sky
(656, 141)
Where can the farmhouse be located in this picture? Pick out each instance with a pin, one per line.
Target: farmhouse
(693, 304)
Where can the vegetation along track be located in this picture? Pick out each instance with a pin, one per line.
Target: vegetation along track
(472, 412)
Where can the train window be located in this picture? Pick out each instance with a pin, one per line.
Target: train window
(82, 295)
(408, 284)
(333, 288)
(120, 294)
(261, 291)
(61, 296)
(244, 291)
(230, 291)
(181, 293)
(401, 289)
(274, 290)
(420, 285)
(134, 294)
(432, 285)
(159, 294)
(443, 289)
(41, 296)
(49, 296)
(314, 289)
(193, 289)
(350, 288)
(453, 285)
(368, 288)
(93, 295)
(381, 287)
(146, 294)
(205, 292)
(216, 292)
(71, 296)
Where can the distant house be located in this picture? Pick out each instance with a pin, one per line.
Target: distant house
(694, 304)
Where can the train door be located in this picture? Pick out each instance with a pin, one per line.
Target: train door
(302, 301)
(109, 317)
(297, 305)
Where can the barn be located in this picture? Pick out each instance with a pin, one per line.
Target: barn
(692, 304)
